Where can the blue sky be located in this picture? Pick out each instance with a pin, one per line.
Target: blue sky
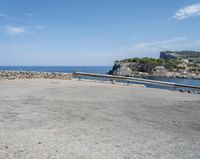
(94, 32)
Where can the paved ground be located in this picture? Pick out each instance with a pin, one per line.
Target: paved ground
(83, 120)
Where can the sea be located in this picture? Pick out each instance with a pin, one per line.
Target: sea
(97, 70)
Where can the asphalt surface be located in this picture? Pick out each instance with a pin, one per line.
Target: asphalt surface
(58, 119)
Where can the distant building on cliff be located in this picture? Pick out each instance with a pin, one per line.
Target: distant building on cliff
(159, 71)
(160, 68)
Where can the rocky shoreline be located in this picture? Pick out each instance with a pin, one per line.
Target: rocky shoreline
(145, 75)
(172, 76)
(34, 75)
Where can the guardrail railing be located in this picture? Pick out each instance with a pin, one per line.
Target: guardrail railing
(138, 80)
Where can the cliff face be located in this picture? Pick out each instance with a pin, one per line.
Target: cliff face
(121, 69)
(166, 55)
(130, 68)
(180, 55)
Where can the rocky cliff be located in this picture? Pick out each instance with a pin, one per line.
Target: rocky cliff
(170, 64)
(123, 68)
(178, 55)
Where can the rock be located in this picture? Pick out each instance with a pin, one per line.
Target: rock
(181, 90)
(131, 69)
(121, 69)
(11, 77)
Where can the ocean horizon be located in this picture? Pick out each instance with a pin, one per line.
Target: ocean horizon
(63, 69)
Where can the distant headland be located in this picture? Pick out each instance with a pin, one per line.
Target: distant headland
(180, 64)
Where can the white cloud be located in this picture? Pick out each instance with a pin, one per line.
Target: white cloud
(7, 17)
(29, 14)
(3, 15)
(188, 11)
(153, 48)
(14, 30)
(40, 26)
(5, 45)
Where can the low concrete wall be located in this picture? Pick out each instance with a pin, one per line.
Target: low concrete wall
(34, 75)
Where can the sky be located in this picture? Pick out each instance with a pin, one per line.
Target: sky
(94, 32)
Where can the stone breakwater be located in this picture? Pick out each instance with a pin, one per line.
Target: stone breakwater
(34, 75)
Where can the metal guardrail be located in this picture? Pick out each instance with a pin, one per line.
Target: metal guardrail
(138, 80)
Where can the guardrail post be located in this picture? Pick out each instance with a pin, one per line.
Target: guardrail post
(113, 81)
(189, 91)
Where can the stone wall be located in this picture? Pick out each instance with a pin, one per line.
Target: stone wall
(34, 75)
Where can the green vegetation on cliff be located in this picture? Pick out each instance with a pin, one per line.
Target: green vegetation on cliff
(168, 64)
